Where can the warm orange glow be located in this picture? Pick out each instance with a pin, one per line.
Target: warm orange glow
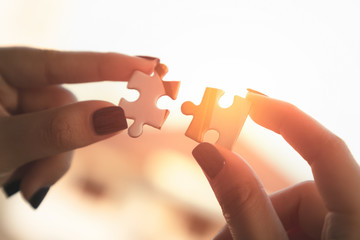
(304, 52)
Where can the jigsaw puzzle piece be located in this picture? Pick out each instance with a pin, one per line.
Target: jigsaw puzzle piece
(144, 109)
(136, 127)
(228, 122)
(202, 113)
(171, 87)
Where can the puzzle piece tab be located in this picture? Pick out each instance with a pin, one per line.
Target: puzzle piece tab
(210, 116)
(144, 109)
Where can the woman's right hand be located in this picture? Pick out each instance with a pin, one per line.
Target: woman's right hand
(328, 208)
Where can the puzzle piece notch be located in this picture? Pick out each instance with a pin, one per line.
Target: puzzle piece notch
(144, 109)
(228, 122)
(202, 113)
(171, 87)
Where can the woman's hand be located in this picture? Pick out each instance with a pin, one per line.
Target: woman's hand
(328, 208)
(41, 122)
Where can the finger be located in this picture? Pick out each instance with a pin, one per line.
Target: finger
(46, 133)
(8, 97)
(40, 175)
(300, 207)
(224, 234)
(37, 99)
(28, 67)
(298, 234)
(13, 181)
(3, 111)
(335, 171)
(245, 205)
(32, 100)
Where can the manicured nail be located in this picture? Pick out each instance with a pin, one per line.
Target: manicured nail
(109, 120)
(150, 58)
(256, 92)
(38, 197)
(12, 187)
(209, 159)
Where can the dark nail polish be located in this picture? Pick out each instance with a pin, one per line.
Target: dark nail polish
(149, 58)
(12, 187)
(38, 197)
(109, 120)
(209, 159)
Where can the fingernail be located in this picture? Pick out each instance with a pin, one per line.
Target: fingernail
(209, 159)
(256, 92)
(38, 197)
(150, 58)
(12, 187)
(109, 120)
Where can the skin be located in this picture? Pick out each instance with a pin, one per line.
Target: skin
(326, 208)
(40, 121)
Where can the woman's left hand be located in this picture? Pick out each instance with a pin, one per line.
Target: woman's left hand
(41, 122)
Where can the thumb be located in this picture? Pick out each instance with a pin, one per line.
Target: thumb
(245, 205)
(33, 136)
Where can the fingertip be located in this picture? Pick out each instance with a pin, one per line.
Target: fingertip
(256, 92)
(209, 159)
(38, 197)
(109, 120)
(149, 58)
(12, 187)
(148, 64)
(202, 148)
(255, 97)
(265, 111)
(33, 194)
(40, 175)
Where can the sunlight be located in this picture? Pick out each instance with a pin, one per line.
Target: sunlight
(303, 52)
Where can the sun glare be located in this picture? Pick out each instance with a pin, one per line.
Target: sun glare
(303, 52)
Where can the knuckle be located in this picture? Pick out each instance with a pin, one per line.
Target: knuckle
(235, 200)
(341, 226)
(335, 142)
(291, 107)
(307, 187)
(331, 143)
(287, 111)
(48, 55)
(290, 110)
(58, 134)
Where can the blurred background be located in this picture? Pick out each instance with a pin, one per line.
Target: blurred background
(304, 52)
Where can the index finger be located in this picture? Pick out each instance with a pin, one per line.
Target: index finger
(29, 67)
(335, 171)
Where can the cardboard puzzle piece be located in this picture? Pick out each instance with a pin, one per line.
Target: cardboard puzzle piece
(228, 122)
(144, 109)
